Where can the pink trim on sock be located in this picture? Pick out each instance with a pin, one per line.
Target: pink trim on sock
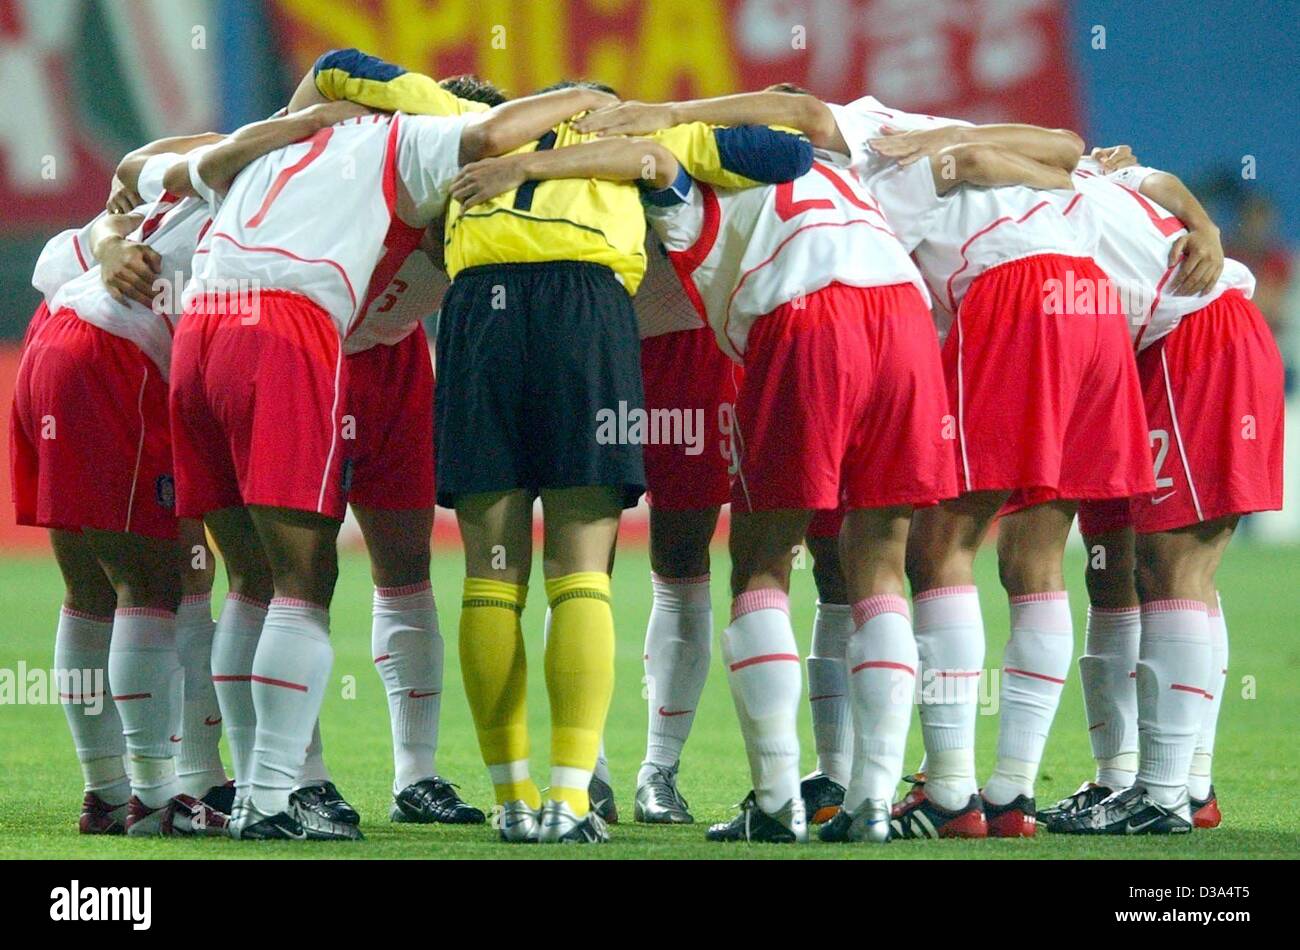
(405, 590)
(934, 592)
(675, 581)
(82, 615)
(1168, 606)
(296, 602)
(1184, 688)
(196, 599)
(126, 696)
(268, 681)
(1213, 611)
(250, 601)
(1039, 598)
(883, 665)
(1032, 675)
(764, 658)
(232, 678)
(382, 657)
(1114, 611)
(957, 674)
(158, 612)
(879, 604)
(764, 599)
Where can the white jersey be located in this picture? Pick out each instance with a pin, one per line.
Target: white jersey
(65, 256)
(173, 229)
(318, 218)
(661, 303)
(959, 235)
(400, 304)
(747, 252)
(1137, 235)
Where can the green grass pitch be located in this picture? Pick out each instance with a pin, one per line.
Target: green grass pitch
(1257, 769)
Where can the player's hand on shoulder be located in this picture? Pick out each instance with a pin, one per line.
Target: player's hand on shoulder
(480, 182)
(906, 147)
(1114, 157)
(627, 118)
(1201, 252)
(129, 270)
(121, 199)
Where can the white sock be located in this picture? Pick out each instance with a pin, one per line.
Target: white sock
(1034, 666)
(1199, 779)
(881, 660)
(1107, 671)
(234, 644)
(81, 659)
(199, 765)
(1173, 671)
(678, 643)
(828, 691)
(290, 671)
(408, 652)
(763, 671)
(148, 687)
(949, 633)
(314, 771)
(601, 771)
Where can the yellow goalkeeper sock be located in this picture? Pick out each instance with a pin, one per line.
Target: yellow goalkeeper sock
(579, 680)
(495, 669)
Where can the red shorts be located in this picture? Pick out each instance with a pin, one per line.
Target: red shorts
(388, 439)
(257, 407)
(686, 372)
(843, 404)
(1046, 402)
(1215, 404)
(89, 442)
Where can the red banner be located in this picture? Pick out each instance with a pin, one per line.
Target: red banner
(976, 59)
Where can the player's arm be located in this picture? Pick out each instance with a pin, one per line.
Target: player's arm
(373, 82)
(737, 156)
(512, 124)
(805, 113)
(992, 166)
(125, 192)
(1060, 148)
(631, 160)
(218, 166)
(128, 269)
(1201, 248)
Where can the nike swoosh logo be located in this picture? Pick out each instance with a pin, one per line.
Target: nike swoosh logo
(1133, 829)
(175, 738)
(515, 822)
(209, 721)
(667, 714)
(1156, 501)
(416, 695)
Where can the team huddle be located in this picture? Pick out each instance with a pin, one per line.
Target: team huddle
(893, 330)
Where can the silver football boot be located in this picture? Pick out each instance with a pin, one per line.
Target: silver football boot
(517, 823)
(658, 800)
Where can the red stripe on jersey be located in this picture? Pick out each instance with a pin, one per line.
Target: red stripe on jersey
(780, 247)
(286, 253)
(318, 143)
(979, 234)
(81, 258)
(1155, 302)
(400, 240)
(687, 262)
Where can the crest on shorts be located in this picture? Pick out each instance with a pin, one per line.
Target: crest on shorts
(164, 489)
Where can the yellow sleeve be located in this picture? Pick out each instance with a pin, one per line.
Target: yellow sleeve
(696, 147)
(369, 81)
